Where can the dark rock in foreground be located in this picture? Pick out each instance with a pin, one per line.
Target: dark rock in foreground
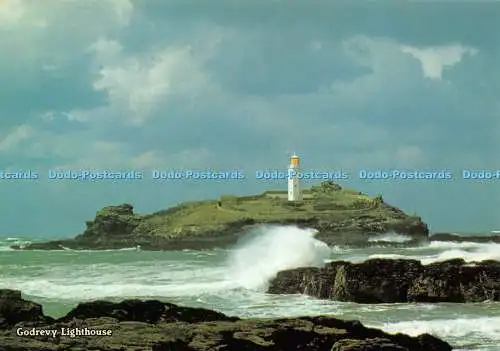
(393, 281)
(13, 309)
(156, 326)
(341, 217)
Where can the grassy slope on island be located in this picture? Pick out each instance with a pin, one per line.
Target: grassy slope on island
(341, 216)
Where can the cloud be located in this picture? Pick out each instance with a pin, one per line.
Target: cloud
(17, 136)
(116, 84)
(139, 85)
(21, 14)
(435, 59)
(148, 159)
(106, 51)
(410, 155)
(83, 149)
(176, 100)
(11, 12)
(48, 33)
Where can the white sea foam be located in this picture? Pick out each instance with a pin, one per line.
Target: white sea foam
(81, 282)
(469, 252)
(390, 237)
(6, 243)
(272, 249)
(468, 330)
(456, 245)
(479, 253)
(252, 263)
(107, 250)
(459, 327)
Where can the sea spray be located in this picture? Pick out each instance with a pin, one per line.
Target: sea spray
(470, 331)
(6, 243)
(389, 237)
(443, 251)
(267, 250)
(481, 252)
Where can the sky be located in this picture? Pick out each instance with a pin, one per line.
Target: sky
(139, 85)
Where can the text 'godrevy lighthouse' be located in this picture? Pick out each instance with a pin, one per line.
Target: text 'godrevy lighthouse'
(293, 179)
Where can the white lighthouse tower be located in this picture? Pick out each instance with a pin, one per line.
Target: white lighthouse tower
(293, 179)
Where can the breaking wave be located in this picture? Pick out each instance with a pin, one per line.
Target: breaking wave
(443, 251)
(470, 331)
(256, 259)
(272, 249)
(390, 238)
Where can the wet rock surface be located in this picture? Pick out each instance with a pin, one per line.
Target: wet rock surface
(393, 281)
(153, 325)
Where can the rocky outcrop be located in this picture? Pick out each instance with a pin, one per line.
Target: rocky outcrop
(341, 217)
(14, 309)
(113, 221)
(154, 325)
(392, 281)
(465, 238)
(367, 345)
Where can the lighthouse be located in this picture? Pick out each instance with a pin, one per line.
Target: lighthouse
(293, 179)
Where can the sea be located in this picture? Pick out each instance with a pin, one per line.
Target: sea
(234, 281)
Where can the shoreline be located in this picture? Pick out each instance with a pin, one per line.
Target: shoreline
(286, 305)
(160, 326)
(58, 243)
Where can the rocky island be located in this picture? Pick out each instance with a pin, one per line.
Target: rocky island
(340, 216)
(394, 281)
(152, 325)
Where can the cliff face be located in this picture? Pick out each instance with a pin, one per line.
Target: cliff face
(159, 326)
(394, 281)
(341, 217)
(113, 221)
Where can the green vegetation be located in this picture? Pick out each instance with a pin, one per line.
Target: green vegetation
(269, 207)
(341, 216)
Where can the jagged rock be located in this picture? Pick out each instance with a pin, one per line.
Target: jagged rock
(340, 216)
(158, 326)
(393, 281)
(367, 345)
(456, 281)
(113, 220)
(14, 309)
(149, 311)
